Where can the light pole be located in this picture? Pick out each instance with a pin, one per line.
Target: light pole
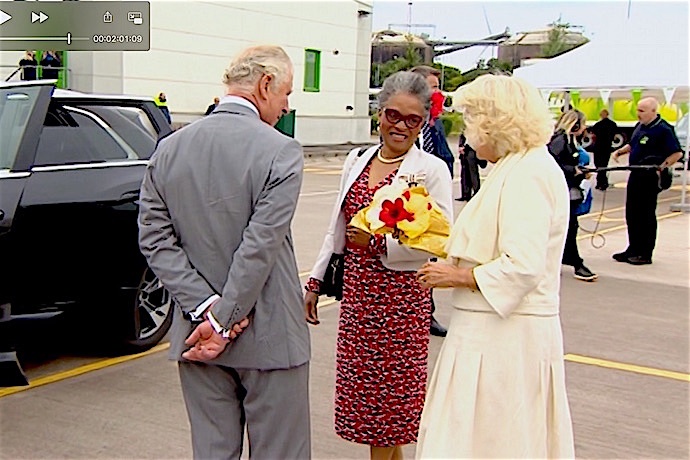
(443, 72)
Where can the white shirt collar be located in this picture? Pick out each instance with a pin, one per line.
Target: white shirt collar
(240, 101)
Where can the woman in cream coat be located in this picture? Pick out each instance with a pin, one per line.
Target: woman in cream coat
(383, 330)
(498, 389)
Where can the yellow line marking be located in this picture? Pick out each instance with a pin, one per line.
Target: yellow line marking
(621, 227)
(628, 367)
(82, 370)
(611, 219)
(595, 214)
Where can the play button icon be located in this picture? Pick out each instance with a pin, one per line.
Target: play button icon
(40, 17)
(4, 17)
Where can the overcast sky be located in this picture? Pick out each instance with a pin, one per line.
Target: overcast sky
(663, 22)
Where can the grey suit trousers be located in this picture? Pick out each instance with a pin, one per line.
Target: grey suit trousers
(273, 404)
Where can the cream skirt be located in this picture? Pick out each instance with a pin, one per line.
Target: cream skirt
(498, 390)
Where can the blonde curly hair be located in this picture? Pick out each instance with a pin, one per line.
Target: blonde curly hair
(505, 113)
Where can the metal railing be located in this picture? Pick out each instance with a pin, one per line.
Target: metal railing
(16, 72)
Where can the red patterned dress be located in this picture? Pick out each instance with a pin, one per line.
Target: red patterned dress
(383, 341)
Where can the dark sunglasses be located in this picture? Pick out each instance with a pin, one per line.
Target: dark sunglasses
(394, 117)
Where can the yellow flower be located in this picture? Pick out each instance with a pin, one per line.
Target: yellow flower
(427, 228)
(373, 211)
(417, 203)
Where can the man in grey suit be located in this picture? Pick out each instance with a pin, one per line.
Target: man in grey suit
(217, 202)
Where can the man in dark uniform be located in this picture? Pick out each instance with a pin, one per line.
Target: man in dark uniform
(653, 142)
(604, 130)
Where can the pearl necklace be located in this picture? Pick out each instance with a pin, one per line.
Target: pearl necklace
(389, 161)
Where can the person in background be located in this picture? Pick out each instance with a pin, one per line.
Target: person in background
(604, 131)
(564, 148)
(469, 170)
(437, 100)
(162, 102)
(51, 65)
(432, 139)
(653, 142)
(383, 331)
(498, 389)
(213, 106)
(28, 65)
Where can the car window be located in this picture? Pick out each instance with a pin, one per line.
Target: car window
(15, 107)
(131, 124)
(72, 136)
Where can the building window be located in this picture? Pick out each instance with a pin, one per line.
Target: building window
(312, 70)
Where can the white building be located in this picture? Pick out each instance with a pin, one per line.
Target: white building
(192, 42)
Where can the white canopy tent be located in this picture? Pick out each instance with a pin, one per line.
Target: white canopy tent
(614, 70)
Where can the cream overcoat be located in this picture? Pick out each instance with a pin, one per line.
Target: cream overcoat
(498, 389)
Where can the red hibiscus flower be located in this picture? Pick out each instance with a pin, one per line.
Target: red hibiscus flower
(394, 212)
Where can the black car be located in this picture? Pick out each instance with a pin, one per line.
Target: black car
(71, 165)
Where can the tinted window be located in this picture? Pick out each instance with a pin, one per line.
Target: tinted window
(70, 137)
(131, 124)
(15, 107)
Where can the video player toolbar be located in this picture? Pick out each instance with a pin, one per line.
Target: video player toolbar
(78, 26)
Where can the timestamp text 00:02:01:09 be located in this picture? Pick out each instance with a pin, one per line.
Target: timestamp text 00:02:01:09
(122, 38)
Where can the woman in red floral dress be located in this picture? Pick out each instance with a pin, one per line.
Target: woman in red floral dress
(383, 332)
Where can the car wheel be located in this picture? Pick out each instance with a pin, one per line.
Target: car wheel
(152, 314)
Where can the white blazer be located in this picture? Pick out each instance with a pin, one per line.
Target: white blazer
(513, 232)
(437, 180)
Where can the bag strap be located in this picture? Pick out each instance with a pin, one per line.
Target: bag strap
(361, 150)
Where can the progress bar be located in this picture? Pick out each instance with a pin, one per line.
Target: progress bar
(67, 38)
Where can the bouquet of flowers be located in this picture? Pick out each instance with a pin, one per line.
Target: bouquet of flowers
(409, 215)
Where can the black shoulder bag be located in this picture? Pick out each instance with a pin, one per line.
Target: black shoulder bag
(665, 178)
(332, 285)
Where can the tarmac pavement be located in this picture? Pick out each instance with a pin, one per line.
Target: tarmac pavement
(626, 340)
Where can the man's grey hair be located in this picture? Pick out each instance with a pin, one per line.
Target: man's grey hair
(407, 83)
(254, 62)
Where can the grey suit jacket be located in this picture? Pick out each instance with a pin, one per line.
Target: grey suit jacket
(216, 206)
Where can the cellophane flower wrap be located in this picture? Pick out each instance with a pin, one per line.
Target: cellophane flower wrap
(409, 214)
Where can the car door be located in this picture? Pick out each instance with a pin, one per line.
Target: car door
(78, 212)
(22, 110)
